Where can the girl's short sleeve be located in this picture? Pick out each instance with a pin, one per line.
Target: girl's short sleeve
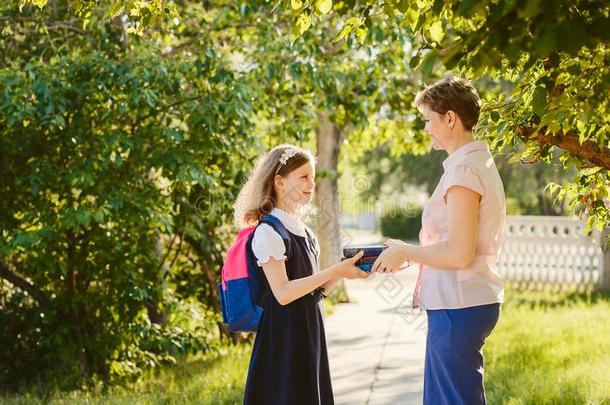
(267, 243)
(465, 176)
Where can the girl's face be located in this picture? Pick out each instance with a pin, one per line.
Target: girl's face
(437, 127)
(297, 187)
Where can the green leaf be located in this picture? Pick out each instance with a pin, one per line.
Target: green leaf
(301, 25)
(582, 136)
(410, 18)
(361, 33)
(59, 121)
(539, 101)
(83, 216)
(402, 6)
(350, 24)
(437, 7)
(63, 268)
(574, 69)
(501, 127)
(414, 62)
(428, 64)
(589, 226)
(324, 6)
(551, 188)
(436, 31)
(98, 216)
(114, 10)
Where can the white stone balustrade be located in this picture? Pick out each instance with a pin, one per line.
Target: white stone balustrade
(542, 250)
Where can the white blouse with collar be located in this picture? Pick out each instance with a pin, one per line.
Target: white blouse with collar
(471, 166)
(267, 243)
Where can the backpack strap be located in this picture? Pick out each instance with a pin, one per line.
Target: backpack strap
(311, 241)
(263, 288)
(279, 227)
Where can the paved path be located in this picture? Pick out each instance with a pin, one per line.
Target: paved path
(376, 343)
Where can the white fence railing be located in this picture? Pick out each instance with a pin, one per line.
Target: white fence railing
(543, 250)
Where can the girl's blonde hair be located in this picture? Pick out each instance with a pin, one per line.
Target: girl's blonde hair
(258, 197)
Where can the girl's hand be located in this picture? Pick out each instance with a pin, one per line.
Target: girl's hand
(391, 259)
(349, 270)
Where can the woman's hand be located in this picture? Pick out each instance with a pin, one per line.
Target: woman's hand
(348, 269)
(393, 258)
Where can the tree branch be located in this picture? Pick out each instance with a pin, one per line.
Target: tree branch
(589, 150)
(178, 251)
(169, 249)
(23, 284)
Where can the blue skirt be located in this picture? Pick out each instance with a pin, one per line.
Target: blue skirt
(454, 357)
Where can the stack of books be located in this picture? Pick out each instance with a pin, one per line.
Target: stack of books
(370, 255)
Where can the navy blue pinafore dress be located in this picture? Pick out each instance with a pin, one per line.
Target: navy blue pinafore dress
(289, 363)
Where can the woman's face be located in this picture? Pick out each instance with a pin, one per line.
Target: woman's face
(437, 127)
(297, 186)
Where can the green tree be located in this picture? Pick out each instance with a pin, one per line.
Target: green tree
(544, 65)
(118, 168)
(164, 103)
(159, 132)
(321, 95)
(332, 92)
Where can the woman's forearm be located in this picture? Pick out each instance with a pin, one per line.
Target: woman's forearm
(440, 255)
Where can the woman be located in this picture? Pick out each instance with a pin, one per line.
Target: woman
(462, 230)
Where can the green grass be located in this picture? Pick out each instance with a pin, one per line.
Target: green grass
(550, 348)
(209, 379)
(212, 379)
(336, 297)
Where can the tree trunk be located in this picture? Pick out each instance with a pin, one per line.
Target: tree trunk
(543, 203)
(74, 308)
(124, 33)
(156, 315)
(328, 140)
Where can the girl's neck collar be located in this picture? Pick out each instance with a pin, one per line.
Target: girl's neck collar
(282, 211)
(292, 222)
(288, 209)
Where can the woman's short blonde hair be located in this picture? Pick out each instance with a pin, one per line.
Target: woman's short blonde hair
(455, 94)
(258, 197)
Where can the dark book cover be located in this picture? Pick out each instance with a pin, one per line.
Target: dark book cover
(364, 259)
(369, 251)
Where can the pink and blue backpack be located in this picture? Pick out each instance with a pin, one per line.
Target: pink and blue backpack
(243, 289)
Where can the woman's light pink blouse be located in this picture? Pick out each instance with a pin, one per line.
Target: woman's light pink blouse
(470, 166)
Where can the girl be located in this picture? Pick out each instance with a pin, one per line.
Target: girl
(289, 363)
(462, 227)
